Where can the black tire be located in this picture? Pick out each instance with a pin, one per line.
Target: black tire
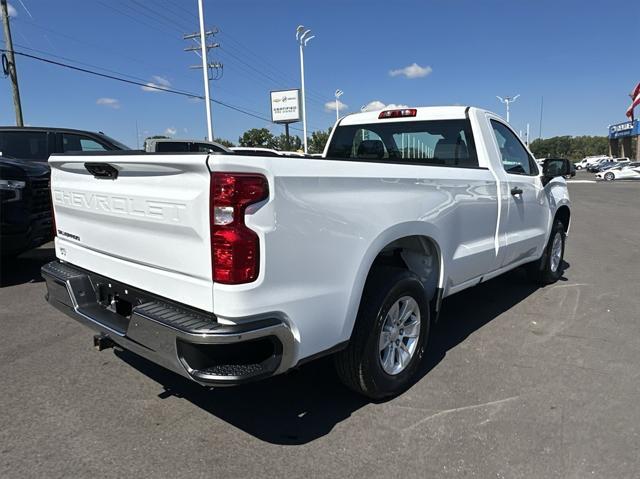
(609, 176)
(541, 271)
(359, 365)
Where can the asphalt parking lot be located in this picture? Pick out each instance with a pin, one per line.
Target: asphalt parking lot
(519, 382)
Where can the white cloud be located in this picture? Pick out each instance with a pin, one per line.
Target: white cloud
(170, 131)
(376, 105)
(109, 102)
(11, 10)
(158, 82)
(330, 106)
(412, 71)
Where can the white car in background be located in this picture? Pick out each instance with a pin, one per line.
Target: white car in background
(590, 160)
(628, 171)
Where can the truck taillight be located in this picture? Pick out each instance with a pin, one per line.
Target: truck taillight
(402, 113)
(235, 249)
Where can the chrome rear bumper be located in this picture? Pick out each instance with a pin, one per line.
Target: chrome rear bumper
(187, 341)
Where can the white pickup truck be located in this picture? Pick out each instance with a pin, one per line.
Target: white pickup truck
(230, 268)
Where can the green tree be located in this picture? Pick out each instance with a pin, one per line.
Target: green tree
(258, 137)
(224, 142)
(156, 137)
(318, 140)
(295, 143)
(572, 147)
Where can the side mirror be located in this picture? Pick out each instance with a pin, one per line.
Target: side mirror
(554, 167)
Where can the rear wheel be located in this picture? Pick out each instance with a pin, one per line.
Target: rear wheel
(548, 269)
(609, 176)
(389, 336)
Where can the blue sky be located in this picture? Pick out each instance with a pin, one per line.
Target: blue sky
(581, 56)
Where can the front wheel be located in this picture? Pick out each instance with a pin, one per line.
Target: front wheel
(389, 336)
(548, 269)
(609, 176)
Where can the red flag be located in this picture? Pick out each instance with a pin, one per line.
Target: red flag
(635, 100)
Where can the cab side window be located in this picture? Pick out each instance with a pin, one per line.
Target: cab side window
(71, 142)
(515, 158)
(25, 145)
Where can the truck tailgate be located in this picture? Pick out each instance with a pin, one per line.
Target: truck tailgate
(147, 227)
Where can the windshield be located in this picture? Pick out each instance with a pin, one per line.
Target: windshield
(438, 142)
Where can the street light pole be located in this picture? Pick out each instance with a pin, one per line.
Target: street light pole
(507, 100)
(339, 93)
(205, 71)
(302, 36)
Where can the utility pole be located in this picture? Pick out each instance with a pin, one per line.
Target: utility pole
(507, 100)
(203, 49)
(302, 36)
(9, 63)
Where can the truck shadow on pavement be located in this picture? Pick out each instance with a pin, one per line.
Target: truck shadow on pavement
(307, 403)
(26, 267)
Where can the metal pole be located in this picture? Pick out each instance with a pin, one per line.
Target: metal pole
(337, 110)
(286, 132)
(541, 107)
(507, 102)
(205, 71)
(304, 105)
(12, 64)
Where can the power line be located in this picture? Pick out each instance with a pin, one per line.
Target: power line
(186, 16)
(142, 83)
(317, 99)
(287, 79)
(227, 91)
(171, 22)
(79, 62)
(85, 43)
(238, 67)
(136, 19)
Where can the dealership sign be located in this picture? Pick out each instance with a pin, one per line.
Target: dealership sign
(285, 106)
(628, 128)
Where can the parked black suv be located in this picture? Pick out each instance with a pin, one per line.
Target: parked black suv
(25, 206)
(36, 144)
(25, 198)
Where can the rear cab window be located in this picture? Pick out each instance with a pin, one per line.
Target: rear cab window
(432, 142)
(25, 145)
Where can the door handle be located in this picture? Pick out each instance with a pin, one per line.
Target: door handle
(515, 191)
